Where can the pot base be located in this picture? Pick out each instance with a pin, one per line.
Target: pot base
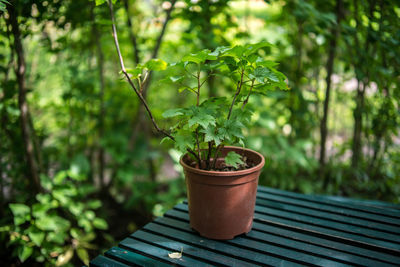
(222, 236)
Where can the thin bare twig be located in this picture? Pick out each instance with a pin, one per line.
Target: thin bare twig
(121, 61)
(248, 96)
(238, 88)
(139, 94)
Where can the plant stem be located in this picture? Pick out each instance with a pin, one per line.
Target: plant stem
(216, 155)
(238, 88)
(248, 96)
(197, 129)
(208, 155)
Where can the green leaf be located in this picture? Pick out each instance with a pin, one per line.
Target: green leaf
(211, 134)
(100, 2)
(262, 73)
(99, 223)
(39, 210)
(89, 214)
(83, 255)
(181, 89)
(57, 237)
(135, 73)
(52, 223)
(219, 50)
(199, 57)
(94, 204)
(156, 64)
(173, 113)
(21, 213)
(76, 208)
(265, 63)
(202, 119)
(184, 140)
(37, 238)
(175, 79)
(165, 139)
(24, 253)
(252, 48)
(233, 129)
(19, 209)
(236, 51)
(2, 7)
(233, 159)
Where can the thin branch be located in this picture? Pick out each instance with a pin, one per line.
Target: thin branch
(209, 155)
(188, 72)
(198, 88)
(248, 96)
(216, 156)
(239, 87)
(209, 74)
(121, 61)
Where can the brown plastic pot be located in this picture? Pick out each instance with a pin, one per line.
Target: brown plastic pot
(221, 204)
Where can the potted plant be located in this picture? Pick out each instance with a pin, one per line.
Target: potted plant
(221, 180)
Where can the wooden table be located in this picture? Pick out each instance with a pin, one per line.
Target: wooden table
(289, 229)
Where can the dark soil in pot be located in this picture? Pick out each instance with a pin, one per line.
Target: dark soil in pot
(221, 203)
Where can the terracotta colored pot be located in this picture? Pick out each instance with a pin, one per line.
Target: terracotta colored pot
(221, 204)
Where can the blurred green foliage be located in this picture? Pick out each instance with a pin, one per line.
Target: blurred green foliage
(101, 170)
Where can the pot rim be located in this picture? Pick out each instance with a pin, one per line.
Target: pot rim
(258, 167)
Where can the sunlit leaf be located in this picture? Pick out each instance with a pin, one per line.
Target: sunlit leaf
(173, 113)
(156, 64)
(100, 224)
(65, 257)
(37, 237)
(83, 255)
(24, 253)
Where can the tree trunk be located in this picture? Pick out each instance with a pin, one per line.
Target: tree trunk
(131, 33)
(295, 92)
(358, 125)
(329, 69)
(102, 111)
(361, 64)
(22, 102)
(383, 111)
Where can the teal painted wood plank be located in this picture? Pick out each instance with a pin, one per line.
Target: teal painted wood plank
(382, 219)
(101, 261)
(341, 247)
(127, 256)
(318, 199)
(248, 253)
(176, 242)
(320, 246)
(344, 237)
(373, 236)
(322, 256)
(368, 203)
(362, 223)
(322, 232)
(153, 251)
